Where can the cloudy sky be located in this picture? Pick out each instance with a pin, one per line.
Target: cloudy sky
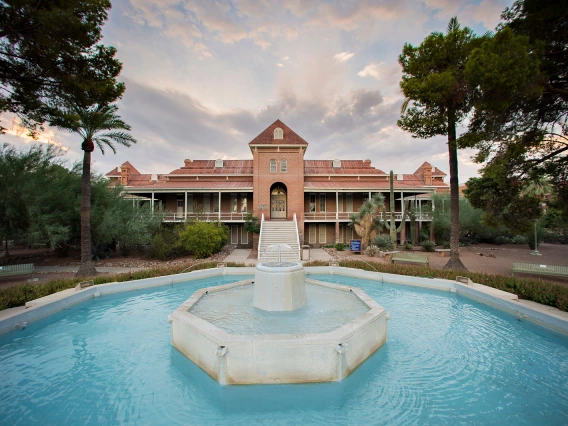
(203, 78)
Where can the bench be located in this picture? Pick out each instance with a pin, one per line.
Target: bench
(537, 269)
(442, 252)
(11, 270)
(388, 254)
(410, 258)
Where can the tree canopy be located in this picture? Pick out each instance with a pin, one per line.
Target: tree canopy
(520, 122)
(49, 58)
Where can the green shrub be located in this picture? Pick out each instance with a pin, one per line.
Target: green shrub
(204, 238)
(519, 239)
(428, 245)
(158, 249)
(383, 243)
(501, 239)
(408, 247)
(339, 247)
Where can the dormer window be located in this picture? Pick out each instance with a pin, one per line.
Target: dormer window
(336, 164)
(283, 165)
(278, 133)
(272, 166)
(218, 164)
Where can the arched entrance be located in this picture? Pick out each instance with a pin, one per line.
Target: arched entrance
(278, 201)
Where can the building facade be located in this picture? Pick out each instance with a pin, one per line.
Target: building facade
(278, 184)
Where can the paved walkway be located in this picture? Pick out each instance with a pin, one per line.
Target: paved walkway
(319, 254)
(240, 256)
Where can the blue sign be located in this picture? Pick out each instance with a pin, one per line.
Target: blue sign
(355, 245)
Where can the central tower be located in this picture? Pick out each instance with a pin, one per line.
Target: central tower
(278, 180)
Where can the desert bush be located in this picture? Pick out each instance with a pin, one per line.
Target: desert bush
(19, 295)
(555, 236)
(383, 243)
(543, 292)
(407, 247)
(428, 245)
(204, 238)
(502, 239)
(371, 251)
(519, 239)
(339, 247)
(158, 249)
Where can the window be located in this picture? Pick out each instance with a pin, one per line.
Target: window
(206, 203)
(312, 237)
(216, 204)
(272, 166)
(243, 203)
(336, 164)
(244, 236)
(323, 229)
(233, 203)
(190, 203)
(278, 133)
(349, 200)
(340, 202)
(218, 164)
(322, 202)
(313, 203)
(283, 165)
(234, 234)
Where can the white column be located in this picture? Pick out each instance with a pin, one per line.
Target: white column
(402, 206)
(336, 205)
(420, 207)
(185, 205)
(152, 201)
(219, 206)
(369, 195)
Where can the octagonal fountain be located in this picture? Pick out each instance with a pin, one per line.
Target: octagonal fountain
(279, 328)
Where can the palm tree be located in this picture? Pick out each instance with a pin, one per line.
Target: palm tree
(367, 219)
(101, 126)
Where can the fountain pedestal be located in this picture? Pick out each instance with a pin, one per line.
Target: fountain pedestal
(279, 286)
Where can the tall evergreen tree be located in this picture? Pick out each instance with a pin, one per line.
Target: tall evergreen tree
(438, 97)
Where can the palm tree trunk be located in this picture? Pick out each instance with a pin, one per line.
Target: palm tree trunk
(454, 262)
(87, 267)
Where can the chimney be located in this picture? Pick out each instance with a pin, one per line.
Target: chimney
(367, 162)
(124, 173)
(187, 162)
(428, 175)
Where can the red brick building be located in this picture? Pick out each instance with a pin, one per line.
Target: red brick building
(277, 184)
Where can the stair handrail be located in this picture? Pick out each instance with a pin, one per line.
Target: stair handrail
(297, 235)
(260, 235)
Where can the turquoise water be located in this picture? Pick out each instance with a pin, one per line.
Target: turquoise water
(447, 360)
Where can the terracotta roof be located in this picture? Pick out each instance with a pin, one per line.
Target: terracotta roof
(207, 167)
(352, 167)
(267, 136)
(382, 185)
(435, 171)
(115, 172)
(163, 184)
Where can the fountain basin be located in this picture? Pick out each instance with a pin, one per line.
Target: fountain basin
(278, 358)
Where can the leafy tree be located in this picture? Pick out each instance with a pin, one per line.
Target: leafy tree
(100, 126)
(438, 97)
(520, 123)
(19, 172)
(252, 224)
(49, 57)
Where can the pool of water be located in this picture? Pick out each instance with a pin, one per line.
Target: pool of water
(326, 310)
(447, 360)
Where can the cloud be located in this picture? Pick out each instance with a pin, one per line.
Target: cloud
(344, 56)
(280, 65)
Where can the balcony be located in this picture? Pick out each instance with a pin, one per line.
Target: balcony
(205, 217)
(344, 216)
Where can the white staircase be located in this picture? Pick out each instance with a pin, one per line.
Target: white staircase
(279, 232)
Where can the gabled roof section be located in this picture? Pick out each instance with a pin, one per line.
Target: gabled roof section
(115, 173)
(207, 167)
(435, 171)
(289, 137)
(348, 167)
